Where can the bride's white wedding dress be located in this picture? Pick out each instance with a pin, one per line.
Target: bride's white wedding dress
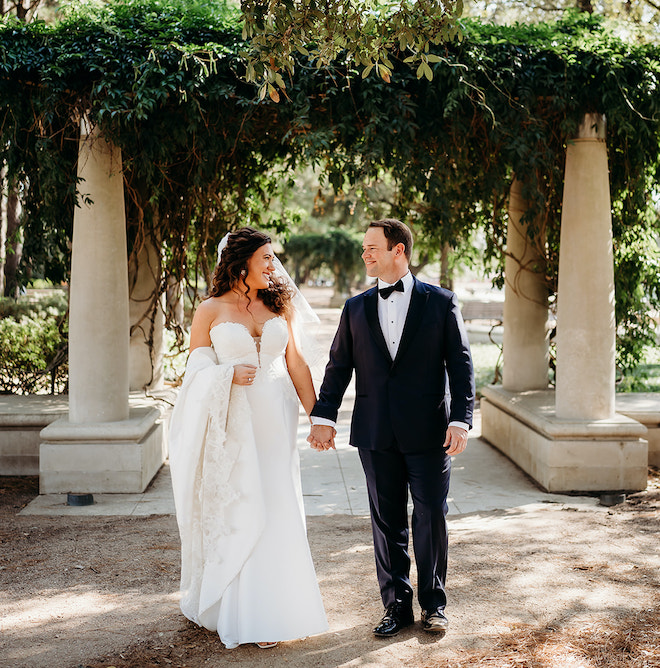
(246, 568)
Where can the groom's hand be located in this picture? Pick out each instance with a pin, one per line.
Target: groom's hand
(456, 440)
(321, 437)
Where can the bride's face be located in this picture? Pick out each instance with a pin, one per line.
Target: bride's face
(260, 267)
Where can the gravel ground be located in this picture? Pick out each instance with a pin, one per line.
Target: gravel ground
(541, 586)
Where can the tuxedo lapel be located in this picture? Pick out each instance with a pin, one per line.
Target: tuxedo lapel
(371, 311)
(413, 319)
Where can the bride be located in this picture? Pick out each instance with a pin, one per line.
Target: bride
(246, 567)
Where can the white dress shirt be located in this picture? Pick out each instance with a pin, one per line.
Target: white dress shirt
(392, 312)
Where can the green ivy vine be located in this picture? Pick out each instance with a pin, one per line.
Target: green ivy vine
(203, 153)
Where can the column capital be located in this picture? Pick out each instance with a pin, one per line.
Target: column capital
(593, 127)
(87, 128)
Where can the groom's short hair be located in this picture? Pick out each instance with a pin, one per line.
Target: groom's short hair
(396, 232)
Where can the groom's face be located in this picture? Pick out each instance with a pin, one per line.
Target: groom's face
(378, 260)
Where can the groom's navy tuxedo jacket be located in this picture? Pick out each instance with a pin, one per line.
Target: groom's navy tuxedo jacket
(401, 403)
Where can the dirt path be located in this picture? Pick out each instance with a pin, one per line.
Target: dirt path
(547, 586)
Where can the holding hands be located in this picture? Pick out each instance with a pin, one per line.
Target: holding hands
(321, 437)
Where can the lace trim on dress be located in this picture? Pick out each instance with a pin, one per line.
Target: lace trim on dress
(214, 490)
(226, 517)
(218, 462)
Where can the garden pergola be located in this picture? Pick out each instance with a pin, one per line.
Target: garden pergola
(508, 116)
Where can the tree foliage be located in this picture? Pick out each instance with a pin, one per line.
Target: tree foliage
(166, 82)
(338, 250)
(367, 33)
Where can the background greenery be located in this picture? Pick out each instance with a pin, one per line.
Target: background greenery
(204, 154)
(33, 344)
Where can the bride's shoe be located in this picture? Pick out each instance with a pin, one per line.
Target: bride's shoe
(265, 645)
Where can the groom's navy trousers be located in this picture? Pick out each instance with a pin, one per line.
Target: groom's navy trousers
(399, 424)
(389, 473)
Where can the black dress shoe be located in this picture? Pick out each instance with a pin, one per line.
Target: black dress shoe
(434, 621)
(397, 616)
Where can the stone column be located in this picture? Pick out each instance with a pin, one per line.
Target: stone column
(525, 340)
(102, 445)
(586, 325)
(98, 306)
(147, 319)
(583, 444)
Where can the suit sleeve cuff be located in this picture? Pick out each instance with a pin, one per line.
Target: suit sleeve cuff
(323, 421)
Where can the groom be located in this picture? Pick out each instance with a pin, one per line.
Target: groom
(404, 339)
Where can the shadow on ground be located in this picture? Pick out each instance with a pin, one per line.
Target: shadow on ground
(541, 585)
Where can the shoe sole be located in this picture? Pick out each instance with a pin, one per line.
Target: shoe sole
(438, 631)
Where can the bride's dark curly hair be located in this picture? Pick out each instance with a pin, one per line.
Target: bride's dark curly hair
(231, 271)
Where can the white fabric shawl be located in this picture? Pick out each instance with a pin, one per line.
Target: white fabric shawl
(216, 482)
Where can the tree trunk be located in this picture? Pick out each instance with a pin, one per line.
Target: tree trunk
(446, 279)
(21, 10)
(3, 219)
(13, 242)
(342, 289)
(584, 6)
(423, 260)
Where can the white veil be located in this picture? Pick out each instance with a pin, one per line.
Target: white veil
(304, 321)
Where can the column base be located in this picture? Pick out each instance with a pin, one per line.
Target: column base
(645, 408)
(21, 420)
(109, 457)
(565, 455)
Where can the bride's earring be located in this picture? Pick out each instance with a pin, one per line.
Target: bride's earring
(243, 272)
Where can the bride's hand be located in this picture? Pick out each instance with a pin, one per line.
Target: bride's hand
(244, 374)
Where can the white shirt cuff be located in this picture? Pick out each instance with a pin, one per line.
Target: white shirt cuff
(323, 421)
(462, 425)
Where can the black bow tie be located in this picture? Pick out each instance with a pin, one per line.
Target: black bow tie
(386, 292)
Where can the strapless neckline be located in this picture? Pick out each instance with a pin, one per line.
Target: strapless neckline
(242, 326)
(234, 342)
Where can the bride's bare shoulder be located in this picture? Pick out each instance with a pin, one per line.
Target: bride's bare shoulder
(214, 302)
(208, 309)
